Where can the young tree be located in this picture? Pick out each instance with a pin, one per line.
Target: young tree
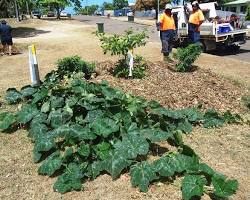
(248, 13)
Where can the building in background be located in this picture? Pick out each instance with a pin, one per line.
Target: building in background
(239, 6)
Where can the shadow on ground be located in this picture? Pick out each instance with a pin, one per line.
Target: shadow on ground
(25, 32)
(228, 52)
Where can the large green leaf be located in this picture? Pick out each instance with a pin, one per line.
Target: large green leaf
(7, 120)
(58, 118)
(156, 135)
(45, 107)
(13, 96)
(43, 144)
(192, 186)
(224, 188)
(26, 114)
(104, 127)
(142, 174)
(132, 145)
(28, 91)
(70, 180)
(37, 130)
(51, 164)
(57, 102)
(115, 163)
(175, 163)
(103, 150)
(212, 119)
(96, 168)
(40, 95)
(185, 126)
(84, 150)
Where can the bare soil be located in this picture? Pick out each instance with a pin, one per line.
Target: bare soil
(226, 149)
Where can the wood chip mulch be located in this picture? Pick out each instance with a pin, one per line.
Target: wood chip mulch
(179, 90)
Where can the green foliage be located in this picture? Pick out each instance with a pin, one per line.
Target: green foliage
(68, 65)
(120, 4)
(120, 45)
(88, 10)
(139, 71)
(248, 13)
(108, 6)
(186, 57)
(81, 129)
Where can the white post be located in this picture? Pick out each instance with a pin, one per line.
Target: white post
(130, 63)
(33, 65)
(17, 12)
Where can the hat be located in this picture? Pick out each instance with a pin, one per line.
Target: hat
(168, 7)
(195, 3)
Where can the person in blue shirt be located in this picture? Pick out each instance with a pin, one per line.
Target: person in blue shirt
(6, 37)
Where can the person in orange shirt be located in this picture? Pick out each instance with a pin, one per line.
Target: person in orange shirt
(195, 20)
(166, 25)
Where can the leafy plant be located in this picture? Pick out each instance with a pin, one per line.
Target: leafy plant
(186, 57)
(71, 64)
(139, 71)
(82, 129)
(120, 45)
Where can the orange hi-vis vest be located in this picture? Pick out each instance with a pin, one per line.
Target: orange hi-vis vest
(167, 22)
(196, 17)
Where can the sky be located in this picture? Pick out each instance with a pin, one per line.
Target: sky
(92, 2)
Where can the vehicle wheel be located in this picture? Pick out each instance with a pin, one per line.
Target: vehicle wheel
(235, 48)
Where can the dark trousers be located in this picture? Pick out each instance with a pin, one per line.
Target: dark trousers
(167, 38)
(193, 37)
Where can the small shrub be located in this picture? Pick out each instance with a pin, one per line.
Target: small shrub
(186, 57)
(139, 71)
(72, 64)
(120, 45)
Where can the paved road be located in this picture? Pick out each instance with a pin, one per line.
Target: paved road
(118, 27)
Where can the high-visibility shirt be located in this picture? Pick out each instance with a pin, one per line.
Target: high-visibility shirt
(196, 17)
(167, 22)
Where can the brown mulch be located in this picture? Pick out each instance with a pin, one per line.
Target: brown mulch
(180, 90)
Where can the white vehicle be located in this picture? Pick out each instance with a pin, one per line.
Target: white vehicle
(64, 14)
(213, 34)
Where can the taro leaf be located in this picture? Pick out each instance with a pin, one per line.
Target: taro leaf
(169, 165)
(192, 114)
(13, 96)
(57, 102)
(68, 154)
(224, 188)
(84, 150)
(37, 130)
(142, 174)
(104, 127)
(28, 91)
(70, 180)
(83, 133)
(212, 119)
(132, 145)
(26, 114)
(109, 92)
(171, 114)
(102, 150)
(40, 95)
(155, 135)
(43, 144)
(7, 120)
(115, 163)
(93, 115)
(185, 126)
(40, 118)
(51, 164)
(58, 118)
(73, 132)
(96, 168)
(72, 101)
(205, 169)
(192, 185)
(231, 118)
(45, 107)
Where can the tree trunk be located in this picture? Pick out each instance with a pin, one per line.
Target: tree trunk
(58, 12)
